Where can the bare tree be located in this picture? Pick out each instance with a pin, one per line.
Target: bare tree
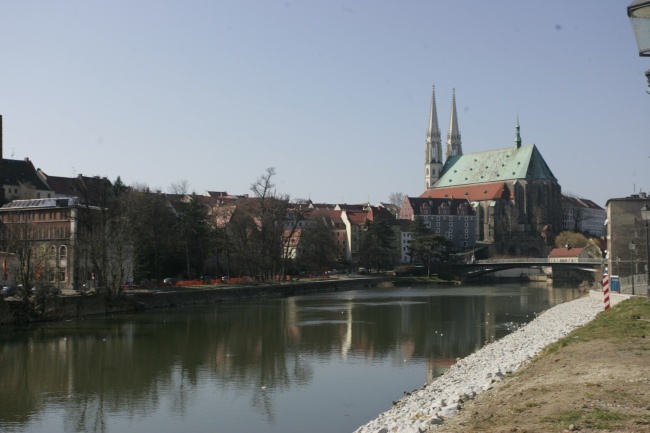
(103, 242)
(573, 212)
(538, 216)
(33, 262)
(510, 219)
(396, 198)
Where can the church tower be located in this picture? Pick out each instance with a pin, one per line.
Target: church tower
(433, 151)
(453, 136)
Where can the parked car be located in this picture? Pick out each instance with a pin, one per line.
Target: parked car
(46, 289)
(8, 291)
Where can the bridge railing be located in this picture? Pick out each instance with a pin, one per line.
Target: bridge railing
(525, 260)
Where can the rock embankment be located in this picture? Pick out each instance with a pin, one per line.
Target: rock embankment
(432, 404)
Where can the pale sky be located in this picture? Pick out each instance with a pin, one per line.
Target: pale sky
(334, 95)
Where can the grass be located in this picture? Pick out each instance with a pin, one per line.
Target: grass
(630, 319)
(598, 418)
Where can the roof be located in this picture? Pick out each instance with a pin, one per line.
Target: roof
(488, 191)
(357, 217)
(565, 252)
(86, 187)
(380, 213)
(495, 165)
(581, 202)
(215, 193)
(40, 203)
(322, 205)
(353, 207)
(21, 172)
(434, 203)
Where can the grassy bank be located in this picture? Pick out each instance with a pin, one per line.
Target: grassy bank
(597, 379)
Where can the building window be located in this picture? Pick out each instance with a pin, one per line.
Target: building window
(438, 231)
(63, 255)
(451, 224)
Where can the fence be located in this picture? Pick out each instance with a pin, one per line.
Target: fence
(634, 285)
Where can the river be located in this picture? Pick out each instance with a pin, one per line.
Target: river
(320, 363)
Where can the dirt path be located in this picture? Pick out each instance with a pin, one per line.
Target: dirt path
(596, 380)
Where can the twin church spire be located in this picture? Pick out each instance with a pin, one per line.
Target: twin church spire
(433, 152)
(433, 163)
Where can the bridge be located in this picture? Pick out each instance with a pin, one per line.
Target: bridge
(482, 267)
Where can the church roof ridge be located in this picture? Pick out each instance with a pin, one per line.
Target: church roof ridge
(508, 163)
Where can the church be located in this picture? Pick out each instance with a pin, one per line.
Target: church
(516, 197)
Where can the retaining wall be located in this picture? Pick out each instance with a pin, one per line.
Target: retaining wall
(71, 307)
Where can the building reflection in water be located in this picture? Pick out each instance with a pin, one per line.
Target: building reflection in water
(244, 354)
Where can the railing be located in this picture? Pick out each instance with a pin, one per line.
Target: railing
(539, 261)
(634, 285)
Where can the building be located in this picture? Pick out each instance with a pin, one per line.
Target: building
(583, 216)
(512, 190)
(567, 255)
(43, 229)
(627, 242)
(453, 218)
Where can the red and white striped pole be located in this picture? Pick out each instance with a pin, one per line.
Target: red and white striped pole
(606, 288)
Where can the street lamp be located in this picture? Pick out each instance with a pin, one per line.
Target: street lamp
(639, 13)
(645, 216)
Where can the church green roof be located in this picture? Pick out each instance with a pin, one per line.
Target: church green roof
(496, 165)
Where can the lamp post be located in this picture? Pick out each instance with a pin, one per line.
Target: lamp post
(631, 245)
(645, 216)
(639, 13)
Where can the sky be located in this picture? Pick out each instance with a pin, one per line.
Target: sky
(334, 95)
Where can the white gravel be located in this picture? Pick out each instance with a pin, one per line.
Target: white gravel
(481, 370)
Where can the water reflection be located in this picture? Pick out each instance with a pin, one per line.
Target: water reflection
(269, 364)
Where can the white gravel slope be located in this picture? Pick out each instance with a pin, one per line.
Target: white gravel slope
(479, 371)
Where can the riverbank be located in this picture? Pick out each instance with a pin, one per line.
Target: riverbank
(463, 399)
(77, 306)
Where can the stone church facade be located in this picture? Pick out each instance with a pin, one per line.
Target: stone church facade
(513, 191)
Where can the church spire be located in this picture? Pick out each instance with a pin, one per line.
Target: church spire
(518, 137)
(433, 151)
(454, 146)
(434, 143)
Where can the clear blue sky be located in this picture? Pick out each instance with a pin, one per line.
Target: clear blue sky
(334, 95)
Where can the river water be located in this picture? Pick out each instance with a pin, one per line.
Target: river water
(318, 363)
